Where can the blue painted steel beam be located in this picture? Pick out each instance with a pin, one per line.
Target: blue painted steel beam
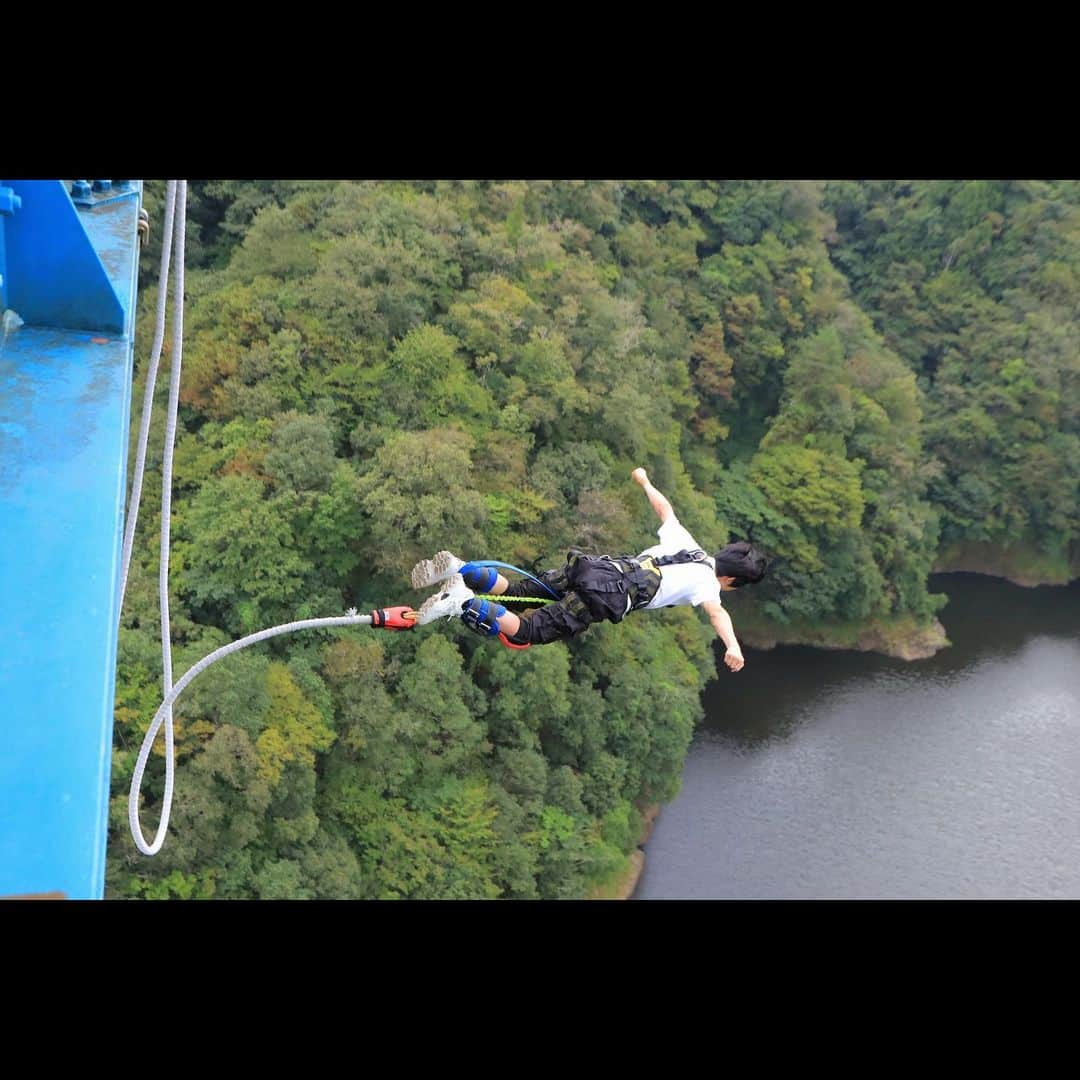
(54, 276)
(9, 204)
(64, 422)
(85, 194)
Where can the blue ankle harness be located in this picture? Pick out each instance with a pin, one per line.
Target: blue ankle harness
(482, 573)
(482, 616)
(479, 578)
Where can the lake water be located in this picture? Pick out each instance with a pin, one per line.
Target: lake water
(821, 774)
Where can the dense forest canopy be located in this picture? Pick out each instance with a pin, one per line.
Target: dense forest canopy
(865, 378)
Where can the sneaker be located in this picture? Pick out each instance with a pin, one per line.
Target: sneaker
(446, 603)
(431, 571)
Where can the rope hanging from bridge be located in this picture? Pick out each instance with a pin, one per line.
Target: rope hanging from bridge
(396, 618)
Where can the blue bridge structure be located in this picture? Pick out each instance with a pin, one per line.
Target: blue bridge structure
(69, 254)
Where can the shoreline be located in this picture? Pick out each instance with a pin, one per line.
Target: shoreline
(625, 886)
(902, 639)
(637, 859)
(1014, 564)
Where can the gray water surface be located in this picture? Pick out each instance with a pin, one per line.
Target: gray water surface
(822, 774)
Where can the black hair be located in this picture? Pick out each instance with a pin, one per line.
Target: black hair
(743, 562)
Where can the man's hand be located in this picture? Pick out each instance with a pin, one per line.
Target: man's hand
(721, 622)
(656, 500)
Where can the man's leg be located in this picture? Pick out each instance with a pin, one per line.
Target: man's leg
(556, 580)
(557, 625)
(456, 599)
(553, 622)
(485, 579)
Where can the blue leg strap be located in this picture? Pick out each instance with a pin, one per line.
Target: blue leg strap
(482, 616)
(517, 570)
(478, 577)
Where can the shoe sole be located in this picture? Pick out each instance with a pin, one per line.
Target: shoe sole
(431, 571)
(437, 607)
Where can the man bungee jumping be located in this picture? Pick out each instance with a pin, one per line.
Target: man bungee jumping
(591, 588)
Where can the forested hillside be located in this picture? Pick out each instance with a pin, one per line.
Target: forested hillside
(865, 379)
(976, 286)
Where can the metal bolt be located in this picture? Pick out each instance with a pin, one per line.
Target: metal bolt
(121, 185)
(102, 185)
(9, 201)
(80, 189)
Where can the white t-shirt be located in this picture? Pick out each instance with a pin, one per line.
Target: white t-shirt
(681, 583)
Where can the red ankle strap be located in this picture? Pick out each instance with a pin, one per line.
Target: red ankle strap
(512, 644)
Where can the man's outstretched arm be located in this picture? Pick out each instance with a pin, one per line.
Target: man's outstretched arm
(656, 500)
(722, 624)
